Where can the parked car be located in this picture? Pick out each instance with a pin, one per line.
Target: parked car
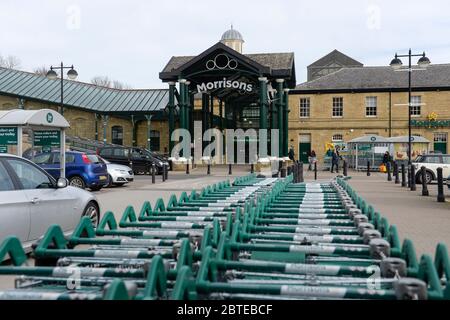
(32, 200)
(82, 170)
(431, 162)
(118, 175)
(137, 158)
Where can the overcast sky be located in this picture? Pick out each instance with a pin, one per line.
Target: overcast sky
(132, 40)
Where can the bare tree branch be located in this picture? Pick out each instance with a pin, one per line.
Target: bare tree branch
(9, 62)
(42, 70)
(105, 81)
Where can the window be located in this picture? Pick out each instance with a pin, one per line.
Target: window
(338, 107)
(30, 176)
(416, 103)
(106, 152)
(5, 181)
(42, 158)
(70, 158)
(117, 135)
(154, 140)
(440, 137)
(304, 108)
(337, 137)
(120, 152)
(432, 159)
(446, 159)
(371, 106)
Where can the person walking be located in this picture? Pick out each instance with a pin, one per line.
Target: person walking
(334, 161)
(311, 159)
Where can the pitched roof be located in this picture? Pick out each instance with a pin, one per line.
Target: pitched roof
(338, 56)
(81, 95)
(275, 61)
(365, 78)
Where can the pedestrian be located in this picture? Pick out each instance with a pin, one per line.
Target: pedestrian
(334, 161)
(311, 159)
(386, 158)
(291, 153)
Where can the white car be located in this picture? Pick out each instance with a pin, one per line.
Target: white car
(118, 174)
(31, 200)
(431, 162)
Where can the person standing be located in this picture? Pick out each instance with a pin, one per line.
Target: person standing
(334, 161)
(311, 159)
(291, 153)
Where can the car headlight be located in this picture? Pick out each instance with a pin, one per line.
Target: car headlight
(160, 163)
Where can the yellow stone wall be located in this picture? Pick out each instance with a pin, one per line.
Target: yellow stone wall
(354, 123)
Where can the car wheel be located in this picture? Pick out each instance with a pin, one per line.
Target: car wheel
(110, 181)
(428, 177)
(92, 212)
(77, 181)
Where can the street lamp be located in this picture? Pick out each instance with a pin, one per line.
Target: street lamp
(72, 74)
(397, 64)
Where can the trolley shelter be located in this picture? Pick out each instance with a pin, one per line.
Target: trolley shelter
(369, 148)
(46, 129)
(399, 147)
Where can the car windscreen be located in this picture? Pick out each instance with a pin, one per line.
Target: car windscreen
(94, 158)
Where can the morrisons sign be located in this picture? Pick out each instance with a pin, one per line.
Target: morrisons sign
(223, 84)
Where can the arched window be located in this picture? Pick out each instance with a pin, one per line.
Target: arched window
(154, 140)
(337, 137)
(117, 135)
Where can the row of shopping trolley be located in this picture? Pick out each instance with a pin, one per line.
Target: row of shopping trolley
(255, 238)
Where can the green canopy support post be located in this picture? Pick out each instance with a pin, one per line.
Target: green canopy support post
(211, 115)
(182, 103)
(187, 106)
(105, 119)
(263, 102)
(285, 122)
(149, 129)
(171, 114)
(280, 103)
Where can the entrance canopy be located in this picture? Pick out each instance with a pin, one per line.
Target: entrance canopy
(47, 126)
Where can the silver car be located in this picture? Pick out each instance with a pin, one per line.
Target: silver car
(31, 200)
(118, 174)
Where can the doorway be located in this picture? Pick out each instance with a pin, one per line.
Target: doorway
(440, 142)
(304, 147)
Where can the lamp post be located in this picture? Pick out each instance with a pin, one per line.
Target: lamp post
(397, 64)
(71, 74)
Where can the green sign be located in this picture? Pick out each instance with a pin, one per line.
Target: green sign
(364, 147)
(47, 138)
(49, 117)
(430, 123)
(8, 136)
(3, 149)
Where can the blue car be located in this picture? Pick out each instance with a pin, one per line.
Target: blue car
(82, 170)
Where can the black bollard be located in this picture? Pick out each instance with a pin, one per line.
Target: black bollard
(368, 168)
(153, 173)
(315, 170)
(283, 172)
(345, 168)
(423, 176)
(252, 168)
(230, 171)
(187, 168)
(396, 174)
(163, 174)
(388, 168)
(440, 181)
(300, 173)
(295, 172)
(413, 178)
(403, 175)
(166, 171)
(289, 170)
(208, 170)
(409, 176)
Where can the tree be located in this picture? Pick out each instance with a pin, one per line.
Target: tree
(9, 62)
(42, 70)
(105, 81)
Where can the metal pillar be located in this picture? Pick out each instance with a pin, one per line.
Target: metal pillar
(211, 114)
(285, 122)
(221, 115)
(96, 125)
(280, 114)
(187, 106)
(149, 129)
(171, 114)
(263, 102)
(133, 132)
(105, 119)
(182, 103)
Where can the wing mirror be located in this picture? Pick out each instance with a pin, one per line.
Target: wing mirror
(62, 183)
